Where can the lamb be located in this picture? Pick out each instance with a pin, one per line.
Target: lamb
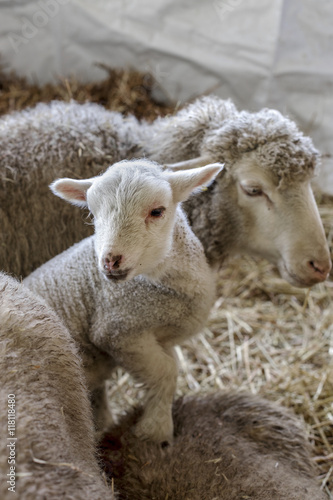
(137, 287)
(262, 205)
(49, 450)
(227, 446)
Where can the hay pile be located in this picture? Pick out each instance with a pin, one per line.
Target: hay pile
(123, 91)
(263, 335)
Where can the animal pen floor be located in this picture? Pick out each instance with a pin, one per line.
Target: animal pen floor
(263, 335)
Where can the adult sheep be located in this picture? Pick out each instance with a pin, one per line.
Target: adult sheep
(261, 205)
(47, 448)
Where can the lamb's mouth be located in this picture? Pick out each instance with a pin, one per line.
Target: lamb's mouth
(116, 275)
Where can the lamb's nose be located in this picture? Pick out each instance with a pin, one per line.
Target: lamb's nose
(112, 262)
(320, 269)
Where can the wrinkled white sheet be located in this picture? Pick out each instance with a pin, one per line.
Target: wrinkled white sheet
(276, 53)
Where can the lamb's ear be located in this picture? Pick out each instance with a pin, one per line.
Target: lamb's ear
(72, 190)
(184, 182)
(200, 161)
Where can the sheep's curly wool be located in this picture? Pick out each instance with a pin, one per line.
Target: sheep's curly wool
(53, 137)
(280, 147)
(180, 136)
(214, 127)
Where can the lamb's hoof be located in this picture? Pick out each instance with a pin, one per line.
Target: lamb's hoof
(147, 430)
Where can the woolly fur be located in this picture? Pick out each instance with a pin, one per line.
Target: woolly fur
(39, 363)
(227, 447)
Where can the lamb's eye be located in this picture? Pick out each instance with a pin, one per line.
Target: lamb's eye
(157, 212)
(252, 190)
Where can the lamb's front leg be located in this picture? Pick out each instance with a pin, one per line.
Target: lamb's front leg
(156, 368)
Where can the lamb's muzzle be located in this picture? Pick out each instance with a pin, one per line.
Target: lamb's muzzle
(110, 267)
(112, 262)
(116, 276)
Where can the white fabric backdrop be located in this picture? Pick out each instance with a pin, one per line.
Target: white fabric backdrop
(276, 53)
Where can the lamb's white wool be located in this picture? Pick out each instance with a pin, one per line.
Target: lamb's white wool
(139, 286)
(50, 453)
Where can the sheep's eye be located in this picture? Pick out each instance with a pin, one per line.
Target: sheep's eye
(252, 190)
(157, 212)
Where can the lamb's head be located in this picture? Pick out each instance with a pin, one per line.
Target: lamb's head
(134, 205)
(265, 195)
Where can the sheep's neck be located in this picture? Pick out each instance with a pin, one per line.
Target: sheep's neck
(214, 220)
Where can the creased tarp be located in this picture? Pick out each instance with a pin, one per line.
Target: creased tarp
(276, 53)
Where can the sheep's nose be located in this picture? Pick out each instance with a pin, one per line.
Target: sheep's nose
(112, 262)
(320, 268)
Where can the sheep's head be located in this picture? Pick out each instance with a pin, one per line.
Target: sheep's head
(134, 207)
(266, 189)
(281, 222)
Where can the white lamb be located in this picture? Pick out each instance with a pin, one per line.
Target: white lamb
(137, 287)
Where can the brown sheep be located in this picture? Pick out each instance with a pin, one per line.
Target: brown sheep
(48, 450)
(226, 447)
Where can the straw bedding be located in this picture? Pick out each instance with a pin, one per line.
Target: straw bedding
(263, 335)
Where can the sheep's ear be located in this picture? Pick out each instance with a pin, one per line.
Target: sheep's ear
(200, 161)
(184, 182)
(72, 190)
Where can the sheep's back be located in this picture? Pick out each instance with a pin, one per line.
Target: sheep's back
(39, 364)
(69, 285)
